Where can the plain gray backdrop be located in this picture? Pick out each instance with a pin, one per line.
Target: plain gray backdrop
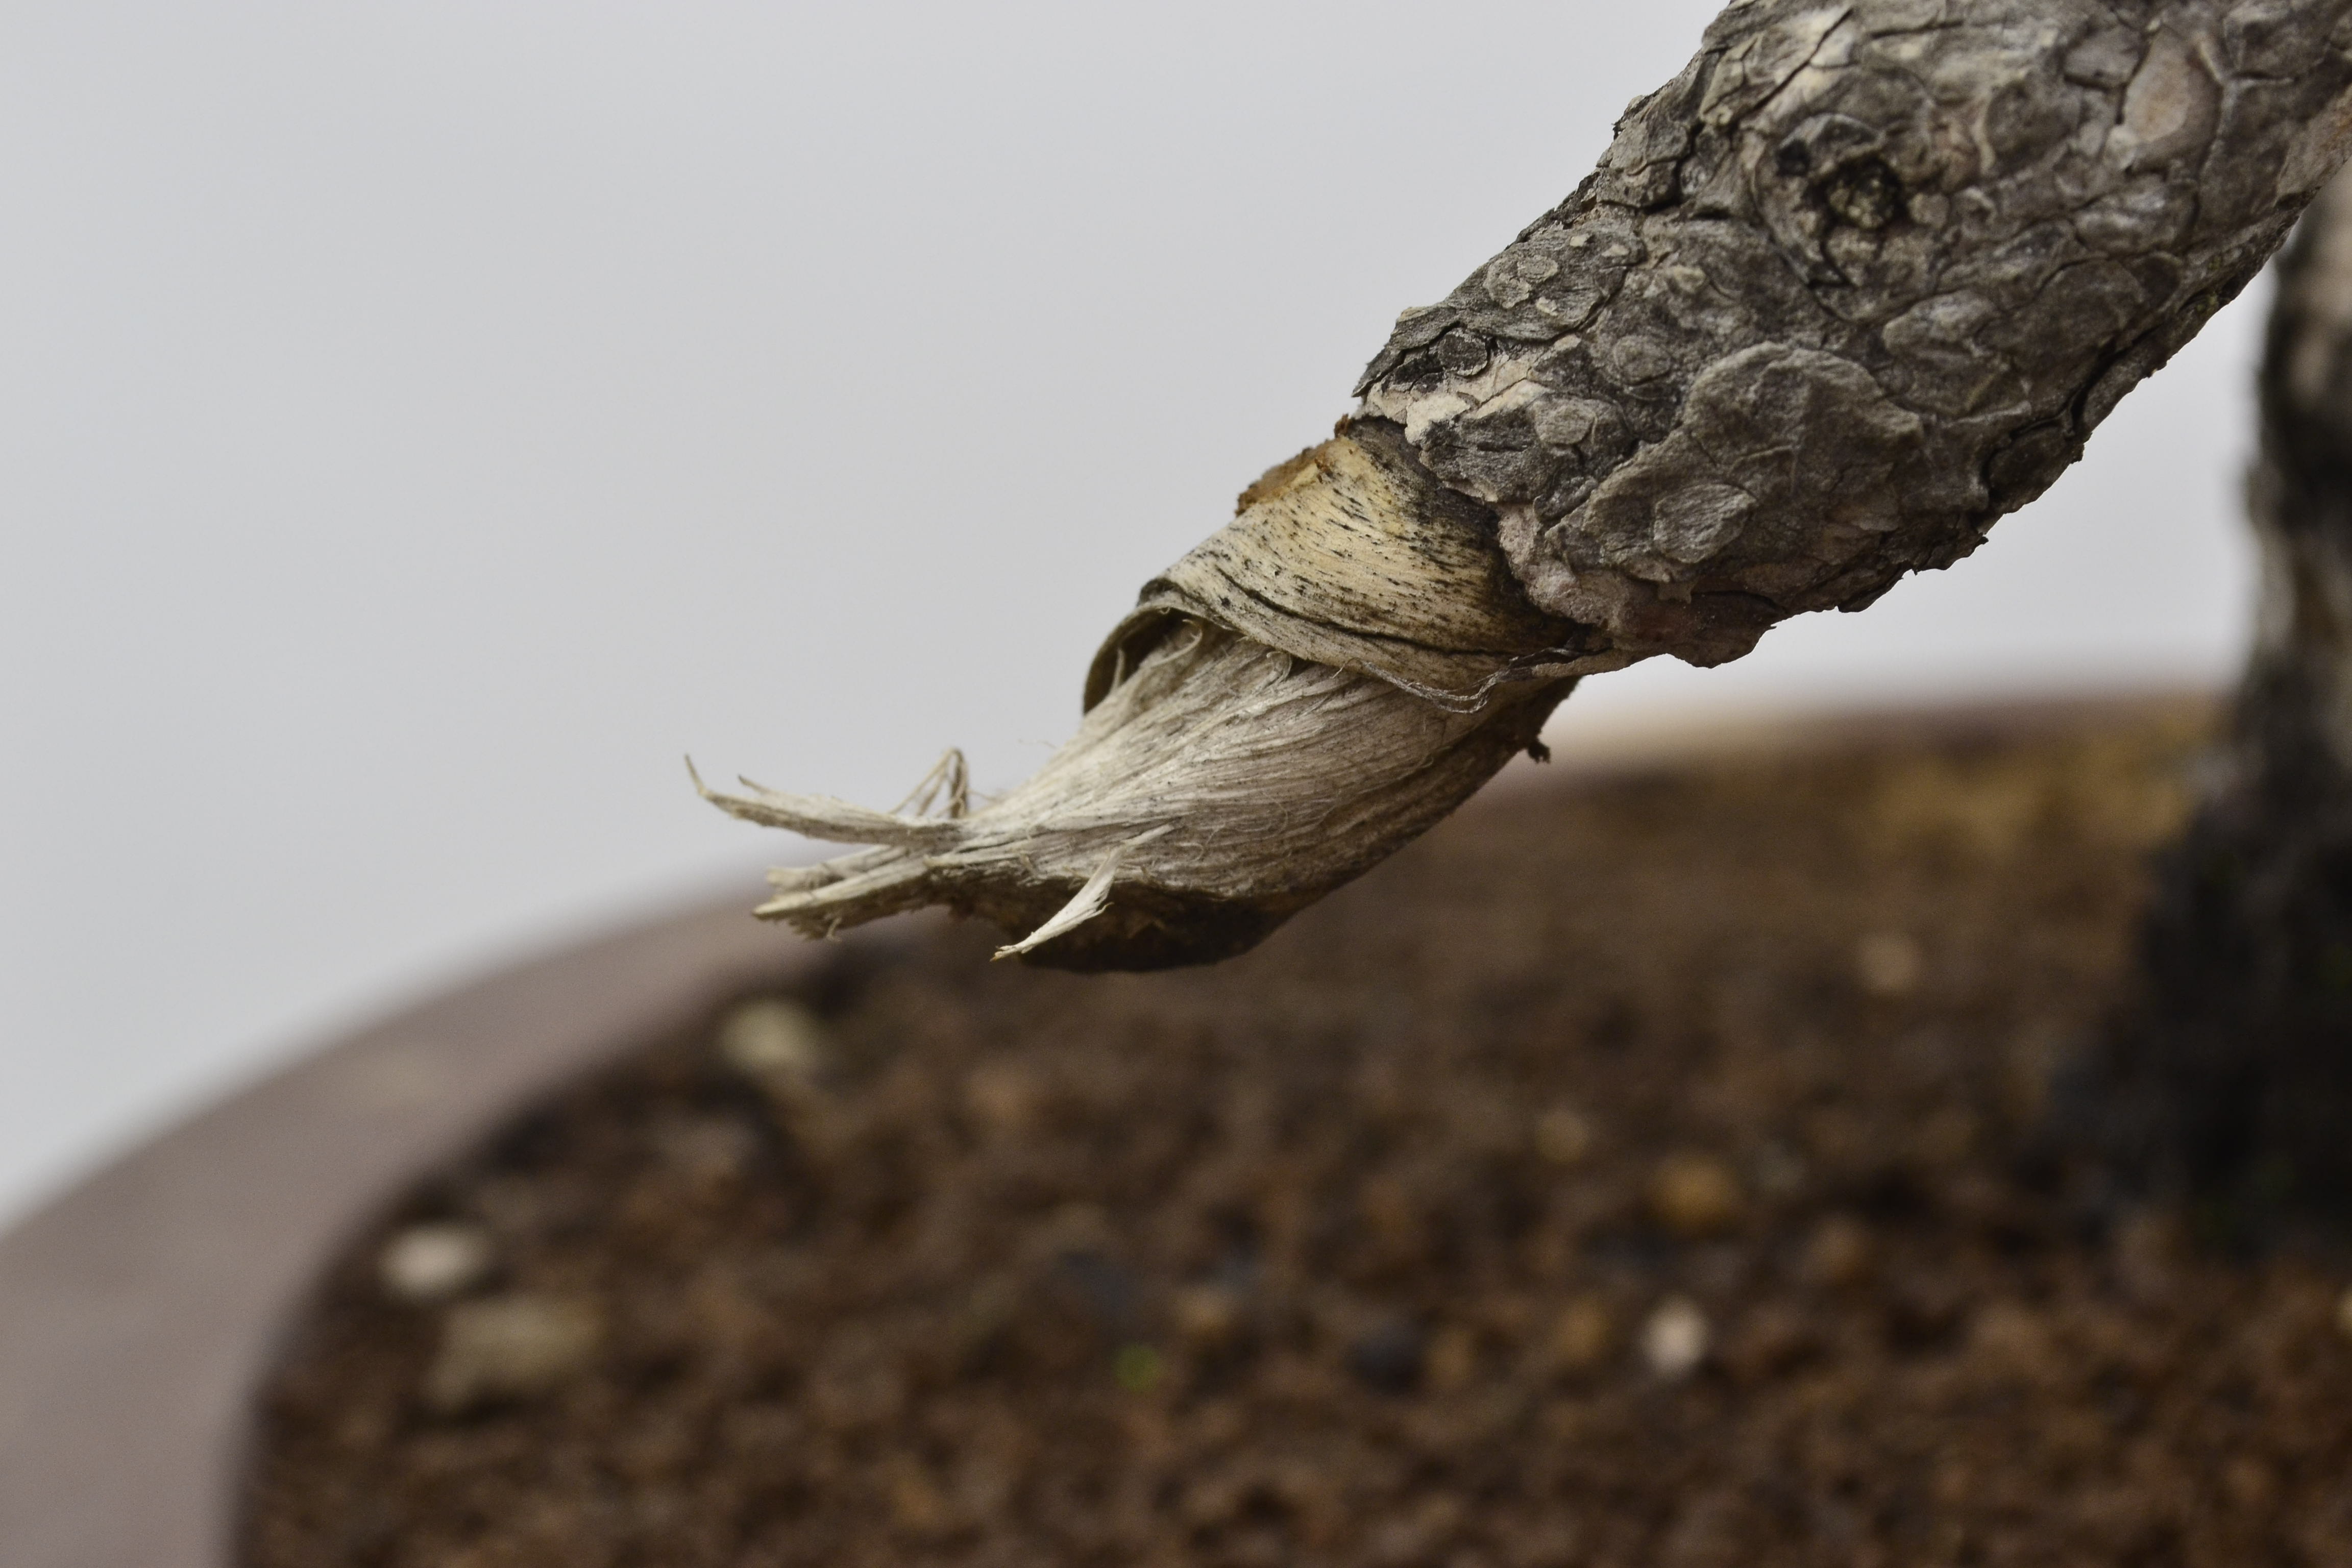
(421, 423)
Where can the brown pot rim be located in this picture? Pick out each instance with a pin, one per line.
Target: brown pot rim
(139, 1309)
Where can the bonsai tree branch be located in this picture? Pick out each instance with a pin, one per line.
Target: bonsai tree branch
(1856, 283)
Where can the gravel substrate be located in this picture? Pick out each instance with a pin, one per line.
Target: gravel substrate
(1636, 1172)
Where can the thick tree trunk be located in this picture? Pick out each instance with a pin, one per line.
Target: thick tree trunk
(2237, 1081)
(1857, 282)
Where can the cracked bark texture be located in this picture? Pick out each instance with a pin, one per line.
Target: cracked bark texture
(1859, 281)
(2237, 1079)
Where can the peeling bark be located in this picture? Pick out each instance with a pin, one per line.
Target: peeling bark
(2235, 1083)
(1312, 687)
(1858, 282)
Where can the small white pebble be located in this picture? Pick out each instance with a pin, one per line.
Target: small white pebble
(772, 1037)
(1674, 1339)
(1888, 964)
(429, 1263)
(510, 1347)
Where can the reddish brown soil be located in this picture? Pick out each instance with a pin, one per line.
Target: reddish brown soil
(1370, 1248)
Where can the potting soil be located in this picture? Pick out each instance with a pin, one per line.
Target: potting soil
(1640, 1170)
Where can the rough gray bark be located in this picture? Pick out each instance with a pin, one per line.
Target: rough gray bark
(2237, 1079)
(1858, 282)
(1861, 279)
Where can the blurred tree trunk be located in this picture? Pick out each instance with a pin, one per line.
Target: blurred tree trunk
(2236, 1083)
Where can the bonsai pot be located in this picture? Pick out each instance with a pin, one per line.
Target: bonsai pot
(1646, 1167)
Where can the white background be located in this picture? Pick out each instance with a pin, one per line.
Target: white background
(420, 423)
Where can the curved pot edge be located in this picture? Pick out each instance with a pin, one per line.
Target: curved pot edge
(139, 1309)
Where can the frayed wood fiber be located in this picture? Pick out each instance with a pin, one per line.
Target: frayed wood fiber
(1857, 282)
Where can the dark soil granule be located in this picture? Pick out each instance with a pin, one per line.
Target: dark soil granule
(1638, 1170)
